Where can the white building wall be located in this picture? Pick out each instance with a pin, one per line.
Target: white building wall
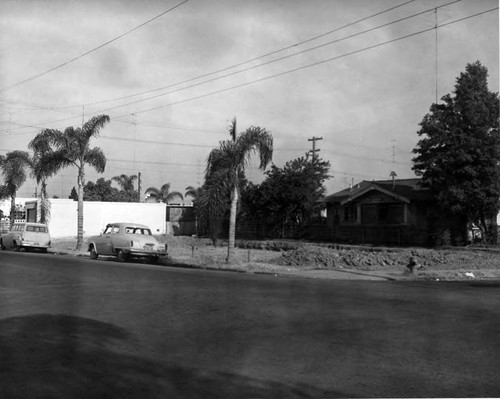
(96, 215)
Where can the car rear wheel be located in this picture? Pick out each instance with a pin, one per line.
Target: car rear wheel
(15, 246)
(93, 253)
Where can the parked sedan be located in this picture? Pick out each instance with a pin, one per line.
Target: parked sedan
(126, 240)
(26, 235)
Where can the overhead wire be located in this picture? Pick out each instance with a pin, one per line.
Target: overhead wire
(265, 78)
(305, 66)
(350, 36)
(19, 83)
(249, 60)
(291, 70)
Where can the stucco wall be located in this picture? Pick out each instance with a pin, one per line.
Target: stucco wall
(63, 216)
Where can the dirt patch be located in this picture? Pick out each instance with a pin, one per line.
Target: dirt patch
(390, 259)
(285, 257)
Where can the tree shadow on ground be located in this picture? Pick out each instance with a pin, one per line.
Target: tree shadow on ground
(61, 356)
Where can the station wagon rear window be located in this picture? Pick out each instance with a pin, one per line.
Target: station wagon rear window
(137, 230)
(37, 229)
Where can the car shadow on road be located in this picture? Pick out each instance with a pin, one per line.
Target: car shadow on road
(61, 356)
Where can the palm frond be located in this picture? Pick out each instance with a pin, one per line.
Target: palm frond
(165, 189)
(232, 129)
(172, 195)
(152, 192)
(92, 127)
(255, 140)
(95, 157)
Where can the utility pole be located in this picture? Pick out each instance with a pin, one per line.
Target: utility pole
(139, 183)
(314, 150)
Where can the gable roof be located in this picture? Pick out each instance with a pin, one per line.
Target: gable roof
(405, 190)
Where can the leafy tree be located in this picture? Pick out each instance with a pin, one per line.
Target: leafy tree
(73, 195)
(288, 197)
(72, 148)
(101, 190)
(225, 167)
(458, 156)
(163, 194)
(13, 166)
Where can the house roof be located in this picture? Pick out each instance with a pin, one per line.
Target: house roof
(405, 190)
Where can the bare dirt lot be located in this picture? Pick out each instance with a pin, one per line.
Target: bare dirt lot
(279, 256)
(324, 260)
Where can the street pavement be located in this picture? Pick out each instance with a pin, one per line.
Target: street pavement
(72, 327)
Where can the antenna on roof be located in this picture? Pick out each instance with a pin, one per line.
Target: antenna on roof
(393, 176)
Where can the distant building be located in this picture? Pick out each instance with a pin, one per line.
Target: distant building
(389, 212)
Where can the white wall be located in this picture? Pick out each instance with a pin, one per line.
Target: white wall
(96, 215)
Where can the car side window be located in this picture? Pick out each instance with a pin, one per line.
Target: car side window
(129, 230)
(116, 230)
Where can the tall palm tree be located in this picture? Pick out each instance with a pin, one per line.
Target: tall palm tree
(13, 166)
(41, 149)
(72, 148)
(163, 194)
(226, 166)
(125, 182)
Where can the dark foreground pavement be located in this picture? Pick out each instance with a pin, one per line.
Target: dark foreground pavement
(72, 328)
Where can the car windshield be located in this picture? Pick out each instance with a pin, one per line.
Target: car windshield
(112, 229)
(138, 230)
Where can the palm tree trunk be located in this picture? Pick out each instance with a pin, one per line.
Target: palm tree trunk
(12, 208)
(79, 236)
(232, 225)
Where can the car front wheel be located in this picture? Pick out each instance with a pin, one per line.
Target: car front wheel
(93, 253)
(121, 256)
(2, 246)
(154, 260)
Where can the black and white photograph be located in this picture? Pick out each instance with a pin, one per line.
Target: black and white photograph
(249, 199)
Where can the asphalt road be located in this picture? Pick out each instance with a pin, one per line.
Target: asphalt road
(75, 328)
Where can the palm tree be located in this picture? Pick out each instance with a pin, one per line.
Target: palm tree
(13, 166)
(72, 148)
(163, 193)
(125, 182)
(193, 192)
(226, 166)
(41, 149)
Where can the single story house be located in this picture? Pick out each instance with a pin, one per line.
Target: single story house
(389, 212)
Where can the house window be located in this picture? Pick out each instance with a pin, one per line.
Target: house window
(382, 214)
(394, 214)
(369, 214)
(350, 213)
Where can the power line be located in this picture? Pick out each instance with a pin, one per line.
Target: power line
(305, 66)
(292, 70)
(88, 52)
(250, 60)
(277, 59)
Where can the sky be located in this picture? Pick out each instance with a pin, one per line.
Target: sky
(171, 75)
